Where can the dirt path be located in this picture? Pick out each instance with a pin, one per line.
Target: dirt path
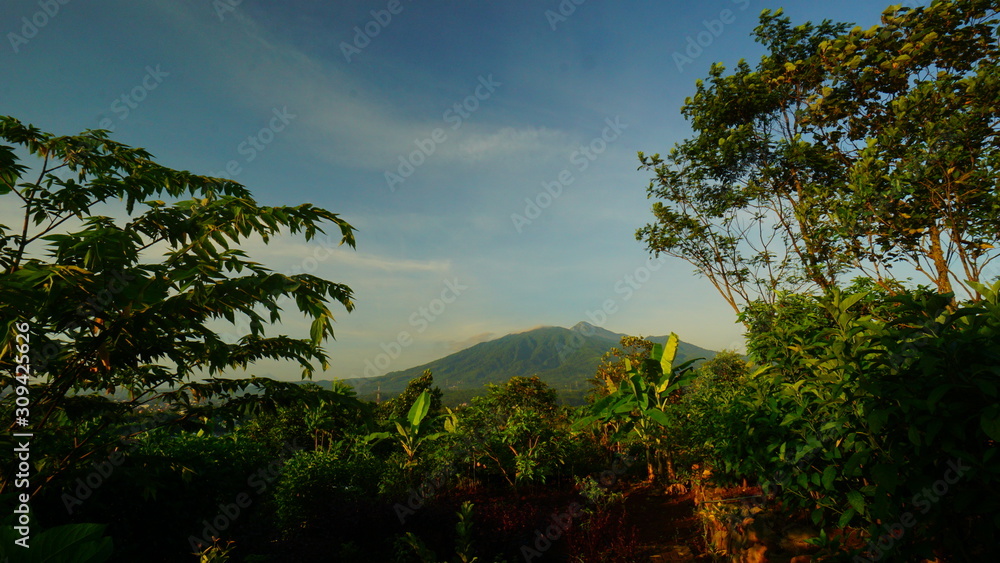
(667, 527)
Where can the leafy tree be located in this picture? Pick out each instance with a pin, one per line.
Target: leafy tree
(868, 413)
(911, 105)
(843, 150)
(638, 406)
(398, 406)
(712, 411)
(613, 370)
(321, 417)
(133, 304)
(517, 429)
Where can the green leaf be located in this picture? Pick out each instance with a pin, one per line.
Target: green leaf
(817, 516)
(419, 409)
(584, 422)
(936, 395)
(829, 474)
(857, 501)
(846, 517)
(854, 463)
(669, 353)
(658, 416)
(802, 479)
(656, 353)
(990, 422)
(70, 543)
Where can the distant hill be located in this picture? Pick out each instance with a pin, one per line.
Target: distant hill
(563, 358)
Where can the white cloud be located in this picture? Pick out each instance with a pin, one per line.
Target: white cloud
(507, 141)
(340, 118)
(459, 345)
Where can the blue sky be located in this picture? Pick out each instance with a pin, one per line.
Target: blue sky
(486, 151)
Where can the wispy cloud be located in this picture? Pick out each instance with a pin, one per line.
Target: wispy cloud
(459, 345)
(392, 265)
(342, 119)
(506, 142)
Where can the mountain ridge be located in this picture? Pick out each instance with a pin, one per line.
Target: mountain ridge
(562, 357)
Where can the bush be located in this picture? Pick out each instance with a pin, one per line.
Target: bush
(879, 420)
(186, 475)
(324, 486)
(516, 431)
(711, 413)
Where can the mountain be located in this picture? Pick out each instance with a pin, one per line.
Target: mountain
(563, 358)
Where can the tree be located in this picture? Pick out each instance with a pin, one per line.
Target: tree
(638, 406)
(712, 411)
(843, 151)
(132, 305)
(516, 428)
(397, 407)
(612, 370)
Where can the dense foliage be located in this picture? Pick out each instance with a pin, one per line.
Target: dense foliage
(867, 415)
(843, 150)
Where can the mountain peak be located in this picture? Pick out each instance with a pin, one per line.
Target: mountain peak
(587, 329)
(563, 358)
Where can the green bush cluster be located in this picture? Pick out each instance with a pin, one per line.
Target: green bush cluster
(325, 485)
(880, 414)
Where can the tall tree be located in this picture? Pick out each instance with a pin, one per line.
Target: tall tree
(844, 151)
(134, 305)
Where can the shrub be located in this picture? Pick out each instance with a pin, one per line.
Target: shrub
(875, 421)
(323, 485)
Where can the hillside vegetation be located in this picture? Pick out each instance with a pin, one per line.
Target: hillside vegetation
(861, 425)
(562, 358)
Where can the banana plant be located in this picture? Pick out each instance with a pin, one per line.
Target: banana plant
(409, 429)
(464, 545)
(640, 401)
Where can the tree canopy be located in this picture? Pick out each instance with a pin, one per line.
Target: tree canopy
(134, 305)
(845, 151)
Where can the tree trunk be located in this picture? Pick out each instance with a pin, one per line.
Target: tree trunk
(936, 253)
